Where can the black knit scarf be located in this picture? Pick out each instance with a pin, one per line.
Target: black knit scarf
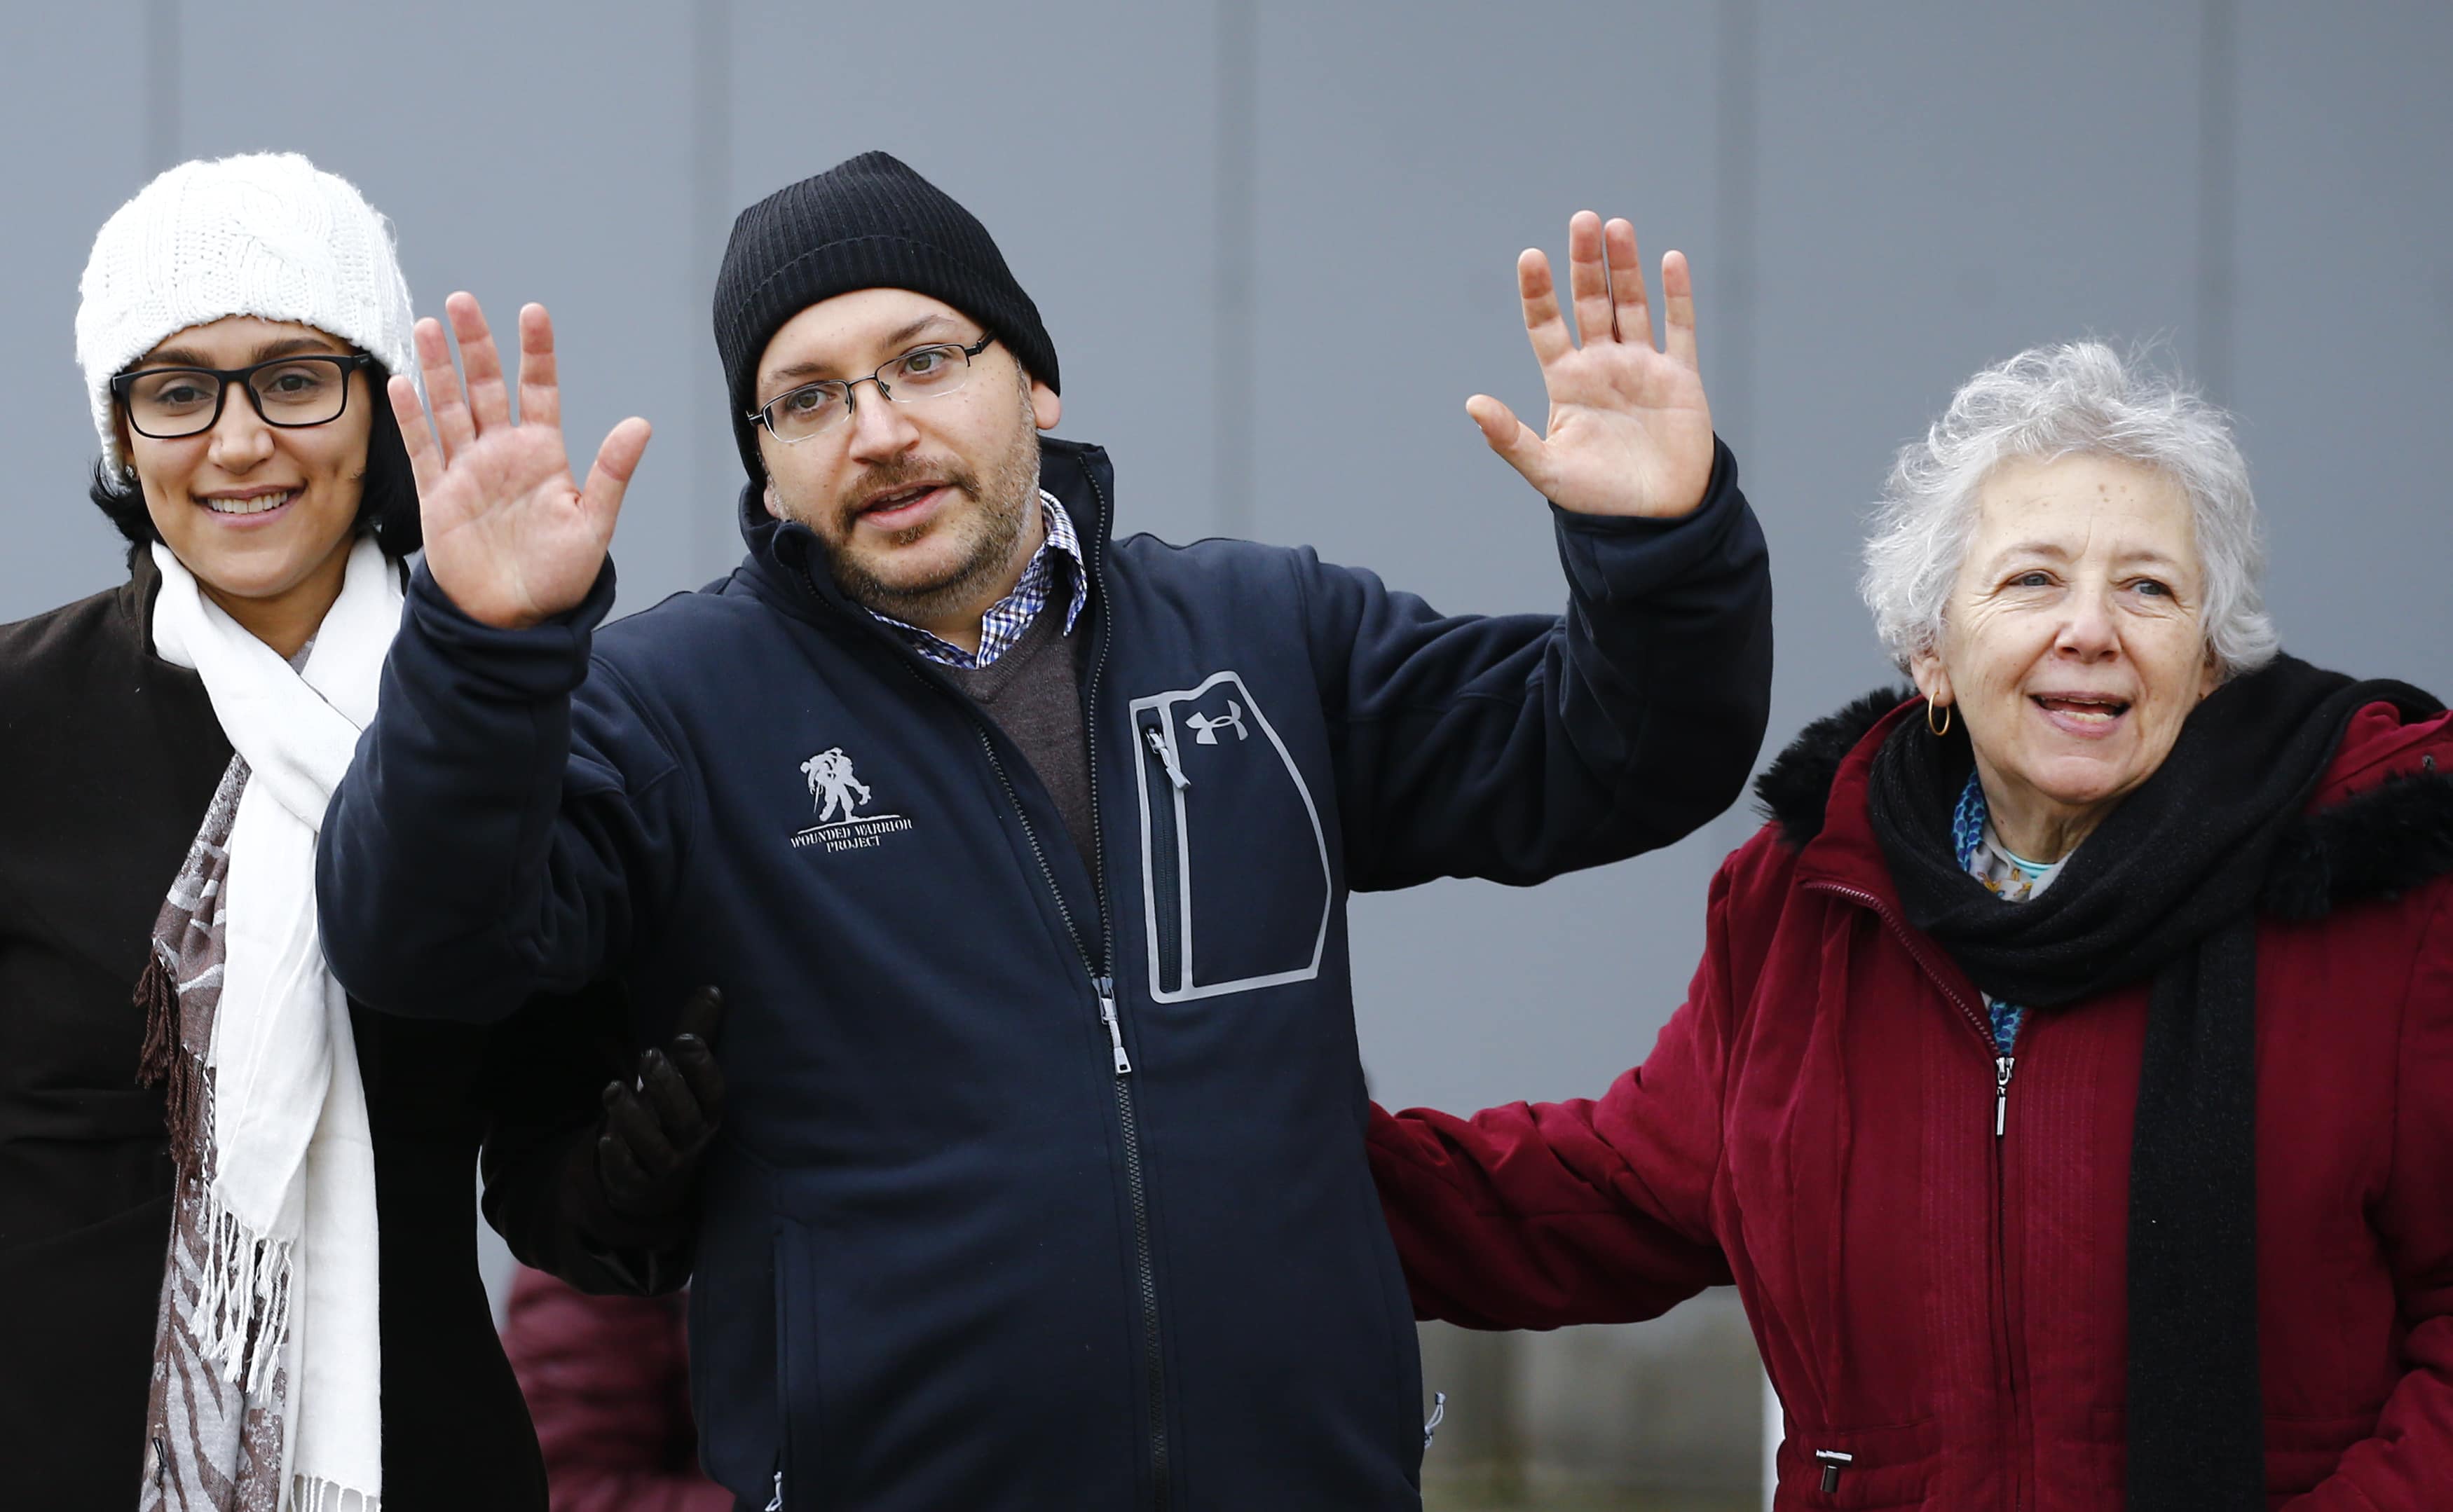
(2165, 887)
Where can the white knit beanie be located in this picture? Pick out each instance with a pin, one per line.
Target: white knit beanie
(266, 234)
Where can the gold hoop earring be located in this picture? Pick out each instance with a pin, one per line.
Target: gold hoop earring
(1943, 728)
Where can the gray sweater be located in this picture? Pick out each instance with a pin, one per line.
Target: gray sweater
(1035, 696)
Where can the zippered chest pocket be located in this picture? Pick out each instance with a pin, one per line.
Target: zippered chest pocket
(1235, 878)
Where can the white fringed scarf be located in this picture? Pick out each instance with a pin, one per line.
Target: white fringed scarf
(278, 1205)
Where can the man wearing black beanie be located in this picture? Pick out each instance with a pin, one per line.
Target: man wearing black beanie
(1021, 849)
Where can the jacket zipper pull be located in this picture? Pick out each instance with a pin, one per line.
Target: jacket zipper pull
(777, 1504)
(2002, 1065)
(1833, 1461)
(1166, 758)
(1106, 987)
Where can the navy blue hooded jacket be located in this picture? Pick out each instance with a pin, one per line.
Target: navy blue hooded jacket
(1042, 1182)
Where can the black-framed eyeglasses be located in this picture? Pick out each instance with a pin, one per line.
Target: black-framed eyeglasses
(309, 389)
(924, 372)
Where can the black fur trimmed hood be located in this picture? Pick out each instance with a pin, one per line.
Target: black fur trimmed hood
(1794, 789)
(2378, 842)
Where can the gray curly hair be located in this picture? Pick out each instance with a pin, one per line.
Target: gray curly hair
(2050, 401)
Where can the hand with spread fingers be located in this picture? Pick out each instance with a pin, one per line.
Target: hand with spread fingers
(509, 536)
(1629, 432)
(655, 1133)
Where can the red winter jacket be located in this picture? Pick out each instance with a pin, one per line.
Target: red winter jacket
(1947, 1306)
(608, 1381)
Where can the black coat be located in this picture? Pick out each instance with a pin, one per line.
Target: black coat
(109, 756)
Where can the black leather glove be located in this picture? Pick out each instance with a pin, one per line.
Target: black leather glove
(656, 1132)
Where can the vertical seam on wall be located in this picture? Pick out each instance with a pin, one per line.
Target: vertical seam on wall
(712, 449)
(160, 85)
(1727, 345)
(1236, 53)
(1736, 170)
(2218, 196)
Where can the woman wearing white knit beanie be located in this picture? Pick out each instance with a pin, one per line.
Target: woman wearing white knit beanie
(251, 1283)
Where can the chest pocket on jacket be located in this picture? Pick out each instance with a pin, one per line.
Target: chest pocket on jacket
(1235, 880)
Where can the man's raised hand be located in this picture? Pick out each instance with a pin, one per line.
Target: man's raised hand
(509, 535)
(1629, 431)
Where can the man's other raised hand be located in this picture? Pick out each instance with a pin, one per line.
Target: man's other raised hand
(509, 536)
(1629, 431)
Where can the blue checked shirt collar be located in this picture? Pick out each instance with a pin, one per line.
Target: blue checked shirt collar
(1005, 624)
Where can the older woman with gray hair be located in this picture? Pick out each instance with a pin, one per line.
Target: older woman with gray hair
(2067, 1085)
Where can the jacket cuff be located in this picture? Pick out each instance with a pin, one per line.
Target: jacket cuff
(545, 660)
(1615, 558)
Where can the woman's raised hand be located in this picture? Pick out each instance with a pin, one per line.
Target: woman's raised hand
(1629, 431)
(509, 535)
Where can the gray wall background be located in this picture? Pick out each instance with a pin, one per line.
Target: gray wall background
(1273, 243)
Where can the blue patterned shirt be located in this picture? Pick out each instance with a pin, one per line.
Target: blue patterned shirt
(1004, 623)
(2012, 878)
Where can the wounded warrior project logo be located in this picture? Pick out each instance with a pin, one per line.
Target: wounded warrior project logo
(838, 795)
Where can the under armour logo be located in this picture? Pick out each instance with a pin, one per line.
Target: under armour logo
(1206, 729)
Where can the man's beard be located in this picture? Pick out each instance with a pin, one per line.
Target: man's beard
(1001, 506)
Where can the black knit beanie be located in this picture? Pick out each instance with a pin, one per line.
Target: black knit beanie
(868, 222)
